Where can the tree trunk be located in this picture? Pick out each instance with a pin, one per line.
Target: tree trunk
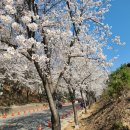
(46, 81)
(55, 126)
(72, 98)
(88, 98)
(27, 96)
(40, 98)
(85, 106)
(75, 115)
(55, 118)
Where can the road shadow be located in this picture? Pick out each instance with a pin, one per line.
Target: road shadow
(30, 122)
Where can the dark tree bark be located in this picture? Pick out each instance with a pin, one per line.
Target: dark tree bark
(88, 98)
(75, 114)
(40, 97)
(55, 118)
(72, 98)
(27, 92)
(85, 106)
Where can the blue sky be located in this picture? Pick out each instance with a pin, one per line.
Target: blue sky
(119, 19)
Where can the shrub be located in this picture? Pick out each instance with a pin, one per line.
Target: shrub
(119, 80)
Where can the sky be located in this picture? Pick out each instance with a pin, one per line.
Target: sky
(119, 18)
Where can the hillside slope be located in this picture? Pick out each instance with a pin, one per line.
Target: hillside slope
(110, 115)
(113, 109)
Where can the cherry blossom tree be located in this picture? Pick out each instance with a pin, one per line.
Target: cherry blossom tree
(51, 35)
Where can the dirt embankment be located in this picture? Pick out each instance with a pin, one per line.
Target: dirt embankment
(107, 114)
(19, 96)
(110, 115)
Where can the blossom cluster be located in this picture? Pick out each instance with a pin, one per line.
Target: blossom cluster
(67, 37)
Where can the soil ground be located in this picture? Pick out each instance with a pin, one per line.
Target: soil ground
(106, 115)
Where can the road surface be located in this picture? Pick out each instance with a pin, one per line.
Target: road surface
(32, 121)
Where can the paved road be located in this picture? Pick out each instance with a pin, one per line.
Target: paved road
(32, 121)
